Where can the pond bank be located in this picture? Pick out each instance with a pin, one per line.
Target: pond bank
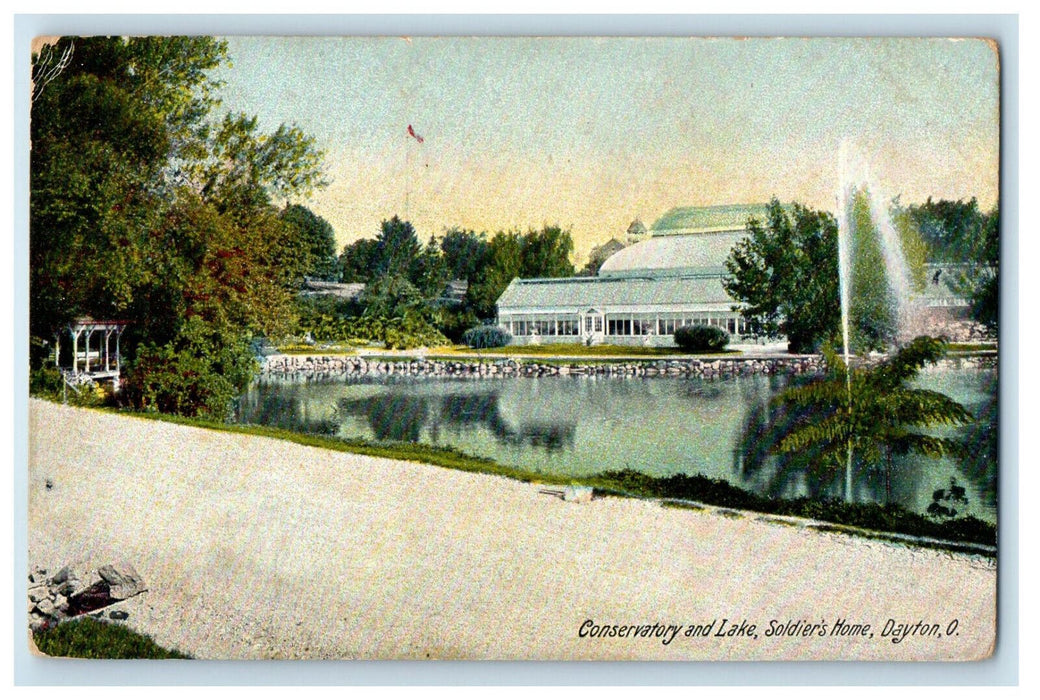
(259, 548)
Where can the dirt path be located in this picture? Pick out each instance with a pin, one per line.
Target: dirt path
(256, 548)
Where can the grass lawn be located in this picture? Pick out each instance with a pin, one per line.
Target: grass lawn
(971, 347)
(88, 638)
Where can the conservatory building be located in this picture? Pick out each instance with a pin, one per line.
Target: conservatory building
(642, 292)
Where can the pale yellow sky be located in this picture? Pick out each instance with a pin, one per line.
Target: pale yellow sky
(591, 133)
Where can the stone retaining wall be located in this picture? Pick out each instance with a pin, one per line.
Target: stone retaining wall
(319, 366)
(309, 367)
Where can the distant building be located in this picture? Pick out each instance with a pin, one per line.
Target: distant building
(349, 291)
(644, 291)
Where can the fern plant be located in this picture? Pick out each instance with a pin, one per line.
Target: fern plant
(872, 413)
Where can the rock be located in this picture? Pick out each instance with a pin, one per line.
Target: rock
(123, 581)
(577, 494)
(87, 582)
(38, 593)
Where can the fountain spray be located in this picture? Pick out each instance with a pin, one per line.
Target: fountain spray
(844, 275)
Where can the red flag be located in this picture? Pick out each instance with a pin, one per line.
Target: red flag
(411, 132)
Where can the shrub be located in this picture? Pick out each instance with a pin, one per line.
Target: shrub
(699, 338)
(199, 373)
(482, 337)
(47, 383)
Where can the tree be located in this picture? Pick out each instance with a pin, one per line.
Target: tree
(544, 253)
(959, 234)
(779, 273)
(464, 252)
(397, 249)
(872, 303)
(358, 259)
(599, 255)
(868, 415)
(105, 131)
(142, 208)
(505, 260)
(315, 236)
(547, 253)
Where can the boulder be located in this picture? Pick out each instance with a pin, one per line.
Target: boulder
(123, 581)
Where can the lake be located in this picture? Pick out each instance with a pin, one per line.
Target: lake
(658, 425)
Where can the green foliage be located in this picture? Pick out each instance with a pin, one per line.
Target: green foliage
(699, 338)
(198, 373)
(544, 253)
(944, 501)
(464, 252)
(482, 337)
(779, 272)
(872, 321)
(505, 260)
(872, 412)
(958, 233)
(400, 333)
(547, 253)
(871, 516)
(357, 262)
(145, 207)
(315, 236)
(47, 383)
(454, 321)
(915, 249)
(88, 638)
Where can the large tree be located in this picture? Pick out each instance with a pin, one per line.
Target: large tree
(144, 207)
(465, 253)
(315, 236)
(785, 272)
(537, 253)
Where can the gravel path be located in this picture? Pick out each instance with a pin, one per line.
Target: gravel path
(257, 548)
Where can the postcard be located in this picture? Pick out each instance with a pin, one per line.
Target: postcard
(514, 348)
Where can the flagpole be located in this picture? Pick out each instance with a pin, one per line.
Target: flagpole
(408, 180)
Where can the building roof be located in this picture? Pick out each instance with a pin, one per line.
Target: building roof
(724, 217)
(698, 253)
(582, 293)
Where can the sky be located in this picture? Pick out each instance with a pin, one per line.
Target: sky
(592, 133)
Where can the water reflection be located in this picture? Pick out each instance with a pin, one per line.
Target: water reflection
(660, 426)
(402, 416)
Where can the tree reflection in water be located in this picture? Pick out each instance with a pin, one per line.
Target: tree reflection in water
(399, 416)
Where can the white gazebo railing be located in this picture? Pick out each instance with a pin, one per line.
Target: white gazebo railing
(95, 350)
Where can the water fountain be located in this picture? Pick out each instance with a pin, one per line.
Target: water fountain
(855, 180)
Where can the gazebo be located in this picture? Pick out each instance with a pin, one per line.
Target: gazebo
(98, 357)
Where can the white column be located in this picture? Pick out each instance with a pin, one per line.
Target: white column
(75, 351)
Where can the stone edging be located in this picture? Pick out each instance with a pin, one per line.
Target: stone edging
(320, 366)
(315, 366)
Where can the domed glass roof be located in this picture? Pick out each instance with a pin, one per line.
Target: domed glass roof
(695, 253)
(725, 217)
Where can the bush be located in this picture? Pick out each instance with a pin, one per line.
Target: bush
(482, 337)
(47, 383)
(199, 373)
(699, 338)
